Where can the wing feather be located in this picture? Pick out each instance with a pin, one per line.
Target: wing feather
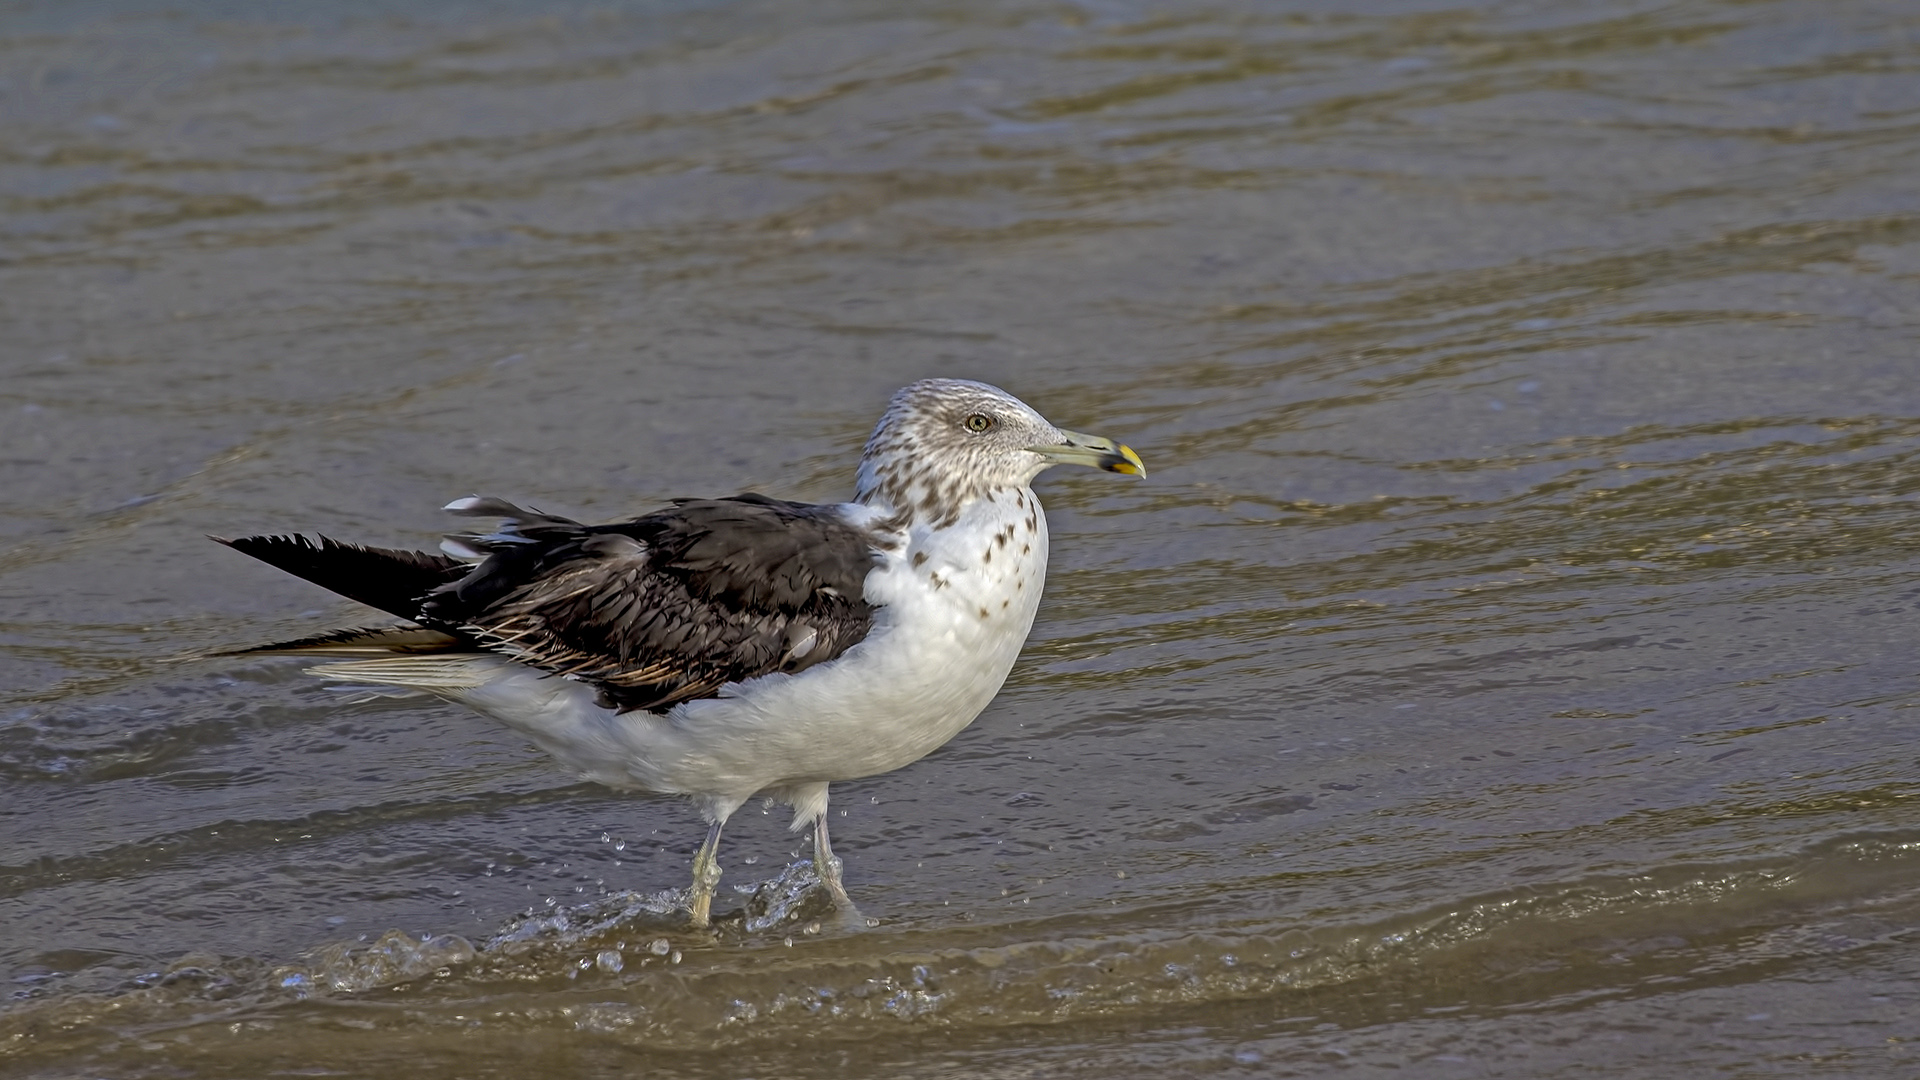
(393, 581)
(667, 607)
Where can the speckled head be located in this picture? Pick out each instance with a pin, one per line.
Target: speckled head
(943, 443)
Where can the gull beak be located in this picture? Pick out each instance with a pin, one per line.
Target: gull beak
(1092, 450)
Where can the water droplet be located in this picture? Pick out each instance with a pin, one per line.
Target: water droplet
(610, 961)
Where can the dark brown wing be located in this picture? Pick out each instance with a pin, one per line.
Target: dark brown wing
(668, 607)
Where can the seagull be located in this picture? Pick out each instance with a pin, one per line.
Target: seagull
(724, 648)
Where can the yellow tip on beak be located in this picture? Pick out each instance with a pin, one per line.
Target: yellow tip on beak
(1125, 461)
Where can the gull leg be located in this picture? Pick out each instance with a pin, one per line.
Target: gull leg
(810, 804)
(828, 865)
(706, 876)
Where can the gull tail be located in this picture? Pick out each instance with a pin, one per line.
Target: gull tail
(441, 673)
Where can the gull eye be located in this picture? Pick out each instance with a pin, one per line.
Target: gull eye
(979, 422)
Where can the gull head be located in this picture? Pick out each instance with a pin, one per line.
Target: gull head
(944, 442)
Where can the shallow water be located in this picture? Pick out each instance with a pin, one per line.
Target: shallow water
(1505, 669)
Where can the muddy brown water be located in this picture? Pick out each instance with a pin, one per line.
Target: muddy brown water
(1507, 668)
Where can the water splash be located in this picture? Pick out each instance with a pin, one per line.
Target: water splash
(393, 958)
(794, 897)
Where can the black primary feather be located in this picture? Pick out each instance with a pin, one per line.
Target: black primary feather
(368, 641)
(393, 581)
